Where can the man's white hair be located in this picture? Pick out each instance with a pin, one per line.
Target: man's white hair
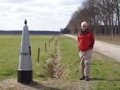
(84, 23)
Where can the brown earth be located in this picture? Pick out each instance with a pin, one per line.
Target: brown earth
(54, 84)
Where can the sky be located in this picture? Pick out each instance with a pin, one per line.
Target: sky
(40, 14)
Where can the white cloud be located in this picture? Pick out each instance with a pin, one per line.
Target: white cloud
(41, 14)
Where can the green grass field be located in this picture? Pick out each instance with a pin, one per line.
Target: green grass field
(9, 52)
(104, 72)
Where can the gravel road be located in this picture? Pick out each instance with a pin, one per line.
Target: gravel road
(111, 50)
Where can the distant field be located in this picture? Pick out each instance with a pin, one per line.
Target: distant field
(109, 39)
(9, 52)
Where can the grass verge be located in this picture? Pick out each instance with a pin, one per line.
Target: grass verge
(104, 72)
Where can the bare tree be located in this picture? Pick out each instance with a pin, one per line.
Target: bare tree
(101, 15)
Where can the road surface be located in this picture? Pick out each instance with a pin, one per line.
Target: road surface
(107, 49)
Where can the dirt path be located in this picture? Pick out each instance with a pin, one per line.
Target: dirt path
(52, 84)
(110, 50)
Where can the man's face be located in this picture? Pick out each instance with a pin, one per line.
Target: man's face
(84, 27)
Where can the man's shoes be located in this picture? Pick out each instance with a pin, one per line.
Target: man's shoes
(87, 78)
(82, 78)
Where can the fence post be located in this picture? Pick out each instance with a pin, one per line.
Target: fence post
(38, 55)
(45, 47)
(49, 43)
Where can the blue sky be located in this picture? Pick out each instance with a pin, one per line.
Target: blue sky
(40, 14)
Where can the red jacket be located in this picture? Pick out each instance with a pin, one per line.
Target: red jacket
(85, 40)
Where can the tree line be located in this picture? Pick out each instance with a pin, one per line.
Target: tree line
(103, 17)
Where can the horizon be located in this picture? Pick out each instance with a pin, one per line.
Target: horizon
(32, 30)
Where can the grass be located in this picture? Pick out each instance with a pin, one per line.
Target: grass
(70, 56)
(9, 53)
(105, 72)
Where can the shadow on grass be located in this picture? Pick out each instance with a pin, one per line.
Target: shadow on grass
(103, 79)
(96, 79)
(114, 80)
(37, 85)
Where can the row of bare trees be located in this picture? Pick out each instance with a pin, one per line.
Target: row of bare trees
(103, 17)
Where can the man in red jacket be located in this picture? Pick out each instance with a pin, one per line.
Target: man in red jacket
(85, 45)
